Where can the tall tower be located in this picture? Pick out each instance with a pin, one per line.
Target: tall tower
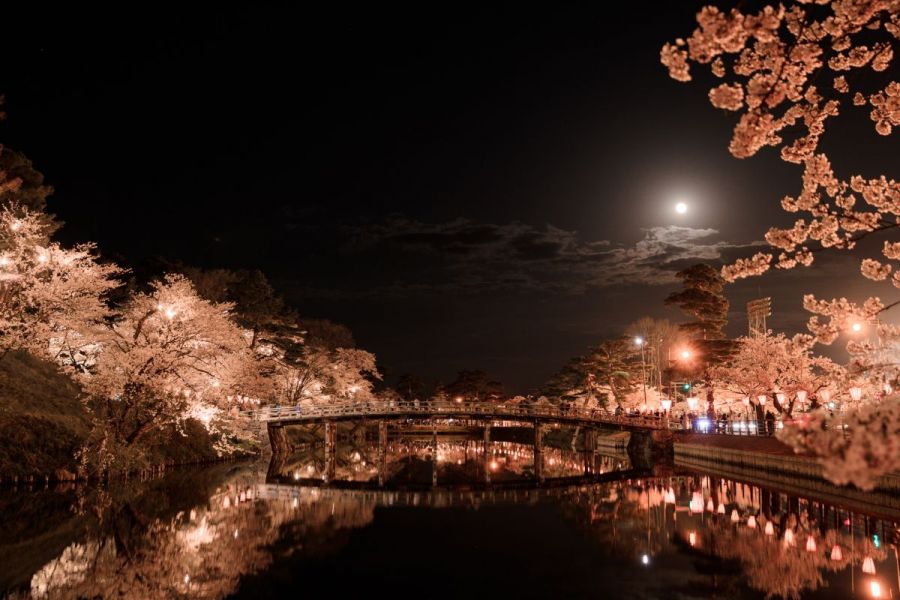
(757, 311)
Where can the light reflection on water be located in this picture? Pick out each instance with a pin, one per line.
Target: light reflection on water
(483, 527)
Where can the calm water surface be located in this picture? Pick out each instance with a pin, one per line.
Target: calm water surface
(460, 525)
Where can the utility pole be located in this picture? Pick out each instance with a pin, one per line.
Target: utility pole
(640, 342)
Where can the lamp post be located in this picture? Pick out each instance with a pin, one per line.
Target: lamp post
(640, 342)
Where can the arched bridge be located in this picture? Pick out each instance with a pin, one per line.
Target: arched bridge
(349, 411)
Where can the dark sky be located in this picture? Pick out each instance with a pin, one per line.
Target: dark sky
(463, 186)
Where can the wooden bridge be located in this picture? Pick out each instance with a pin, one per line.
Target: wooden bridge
(481, 411)
(650, 438)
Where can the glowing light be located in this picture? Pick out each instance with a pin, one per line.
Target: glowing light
(735, 515)
(746, 400)
(666, 404)
(42, 257)
(887, 387)
(836, 553)
(751, 522)
(868, 565)
(669, 497)
(681, 208)
(15, 225)
(761, 399)
(685, 354)
(187, 579)
(770, 529)
(4, 261)
(645, 559)
(801, 396)
(692, 403)
(875, 589)
(692, 538)
(458, 399)
(170, 313)
(789, 538)
(696, 505)
(494, 465)
(810, 544)
(780, 396)
(825, 395)
(856, 327)
(856, 393)
(710, 506)
(638, 341)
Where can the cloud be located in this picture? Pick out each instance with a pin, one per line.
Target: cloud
(467, 256)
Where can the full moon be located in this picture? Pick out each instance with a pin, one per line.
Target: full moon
(681, 208)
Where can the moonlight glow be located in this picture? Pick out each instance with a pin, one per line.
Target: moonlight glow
(681, 208)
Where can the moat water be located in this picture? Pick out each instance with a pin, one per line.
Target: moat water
(456, 521)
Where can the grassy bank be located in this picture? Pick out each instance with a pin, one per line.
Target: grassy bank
(43, 424)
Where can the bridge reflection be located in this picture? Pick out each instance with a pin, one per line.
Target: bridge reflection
(417, 463)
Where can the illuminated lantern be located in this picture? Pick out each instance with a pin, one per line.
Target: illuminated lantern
(761, 399)
(789, 537)
(810, 544)
(692, 403)
(692, 537)
(721, 509)
(666, 404)
(710, 506)
(875, 589)
(735, 517)
(770, 529)
(868, 565)
(825, 395)
(801, 396)
(746, 400)
(751, 522)
(888, 390)
(856, 393)
(696, 503)
(836, 553)
(780, 396)
(670, 496)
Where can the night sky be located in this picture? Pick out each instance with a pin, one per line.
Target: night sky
(464, 187)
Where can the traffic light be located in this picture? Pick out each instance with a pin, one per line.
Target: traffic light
(686, 387)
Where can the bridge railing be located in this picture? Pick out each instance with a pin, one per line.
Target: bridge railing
(452, 409)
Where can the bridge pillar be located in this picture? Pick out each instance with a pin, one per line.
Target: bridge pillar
(538, 452)
(330, 446)
(278, 439)
(434, 453)
(382, 451)
(590, 439)
(647, 448)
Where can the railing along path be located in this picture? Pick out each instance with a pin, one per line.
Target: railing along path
(348, 410)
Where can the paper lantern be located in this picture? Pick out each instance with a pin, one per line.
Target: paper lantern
(770, 529)
(710, 506)
(836, 553)
(720, 509)
(666, 404)
(780, 396)
(789, 539)
(670, 496)
(801, 396)
(761, 399)
(825, 395)
(856, 393)
(696, 505)
(868, 565)
(746, 400)
(751, 522)
(735, 517)
(692, 403)
(810, 544)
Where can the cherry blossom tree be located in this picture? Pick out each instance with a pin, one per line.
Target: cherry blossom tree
(782, 369)
(786, 71)
(52, 299)
(168, 355)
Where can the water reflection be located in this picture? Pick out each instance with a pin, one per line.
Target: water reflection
(235, 529)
